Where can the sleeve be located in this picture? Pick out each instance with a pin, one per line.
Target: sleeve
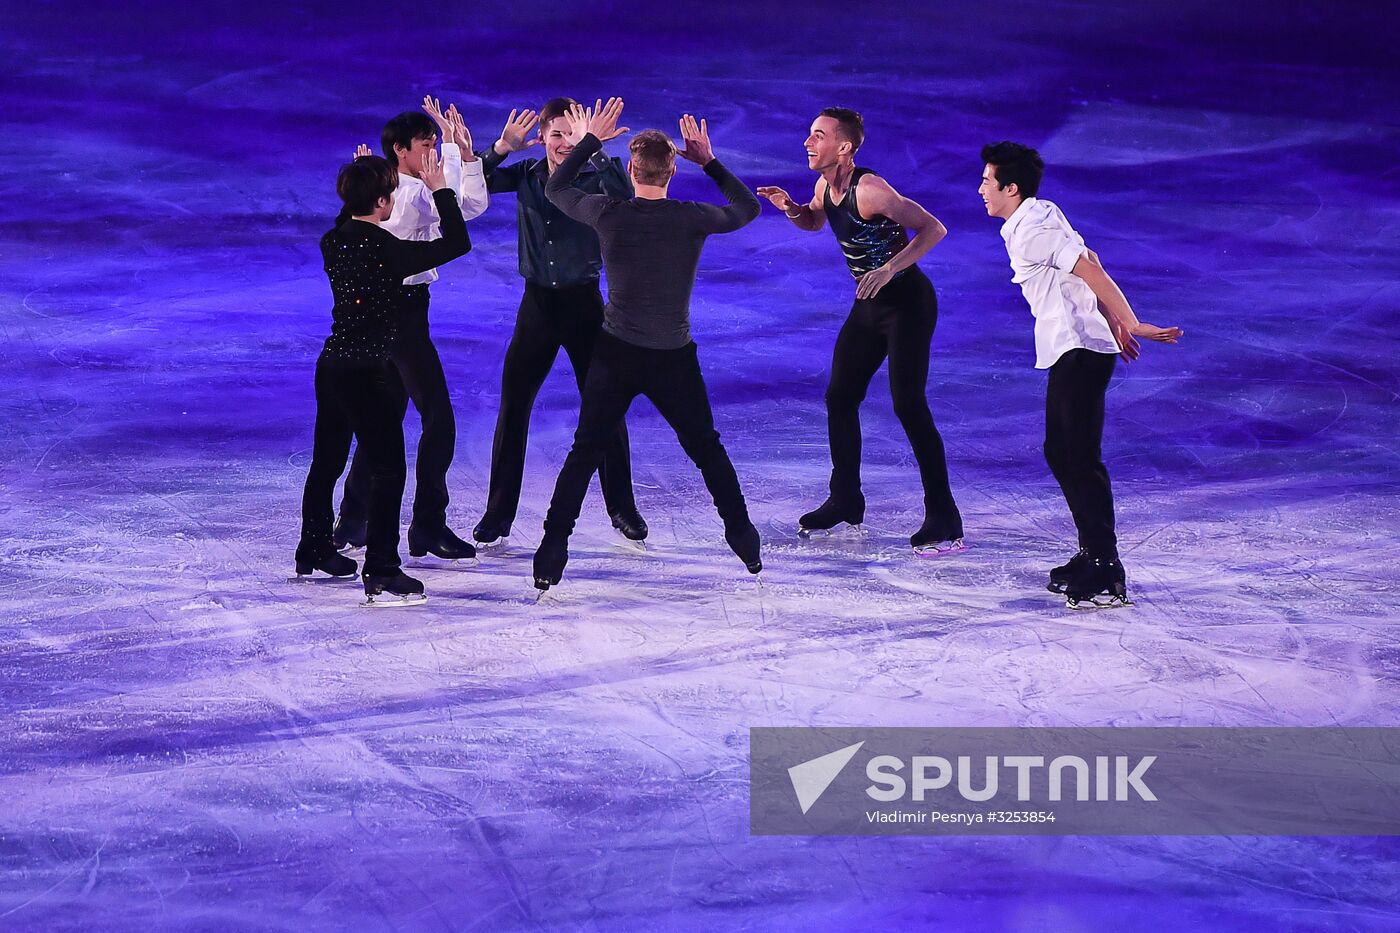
(410, 257)
(585, 208)
(1052, 242)
(412, 202)
(502, 178)
(743, 206)
(613, 177)
(470, 184)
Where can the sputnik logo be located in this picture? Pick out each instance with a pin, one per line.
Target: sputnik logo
(811, 778)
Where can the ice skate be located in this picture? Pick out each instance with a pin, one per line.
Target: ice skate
(335, 566)
(1061, 575)
(746, 544)
(349, 534)
(1099, 584)
(393, 590)
(442, 544)
(490, 534)
(550, 558)
(630, 524)
(831, 513)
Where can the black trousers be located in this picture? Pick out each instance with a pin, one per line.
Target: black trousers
(420, 369)
(897, 323)
(548, 319)
(1074, 403)
(618, 373)
(366, 402)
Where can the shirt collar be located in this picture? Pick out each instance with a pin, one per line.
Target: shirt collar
(1015, 219)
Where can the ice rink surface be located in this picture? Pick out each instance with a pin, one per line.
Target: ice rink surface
(190, 742)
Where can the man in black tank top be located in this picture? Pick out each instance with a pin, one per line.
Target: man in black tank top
(893, 316)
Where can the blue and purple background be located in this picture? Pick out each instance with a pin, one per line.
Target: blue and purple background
(190, 743)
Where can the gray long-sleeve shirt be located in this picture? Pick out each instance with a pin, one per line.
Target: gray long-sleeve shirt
(651, 248)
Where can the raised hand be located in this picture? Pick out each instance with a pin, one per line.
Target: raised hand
(1159, 334)
(605, 117)
(433, 108)
(578, 117)
(515, 135)
(362, 150)
(461, 135)
(432, 174)
(697, 141)
(777, 197)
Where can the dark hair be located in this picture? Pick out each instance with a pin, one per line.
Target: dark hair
(403, 130)
(362, 183)
(850, 124)
(556, 107)
(654, 156)
(1013, 163)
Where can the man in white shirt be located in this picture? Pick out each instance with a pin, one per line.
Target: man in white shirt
(406, 139)
(1082, 324)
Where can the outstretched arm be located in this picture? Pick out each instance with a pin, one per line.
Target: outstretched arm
(743, 206)
(809, 216)
(877, 196)
(1113, 305)
(410, 257)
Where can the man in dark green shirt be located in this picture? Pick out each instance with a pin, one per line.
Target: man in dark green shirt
(562, 307)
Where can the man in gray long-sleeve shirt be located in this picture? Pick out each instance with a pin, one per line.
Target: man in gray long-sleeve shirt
(651, 247)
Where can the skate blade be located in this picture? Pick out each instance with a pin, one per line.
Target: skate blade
(323, 578)
(350, 548)
(433, 562)
(498, 545)
(1101, 601)
(630, 544)
(392, 601)
(939, 548)
(842, 530)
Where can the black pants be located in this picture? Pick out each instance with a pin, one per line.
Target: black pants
(364, 401)
(897, 323)
(618, 373)
(420, 368)
(1074, 400)
(550, 318)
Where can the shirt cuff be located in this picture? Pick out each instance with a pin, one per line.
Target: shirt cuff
(472, 168)
(713, 166)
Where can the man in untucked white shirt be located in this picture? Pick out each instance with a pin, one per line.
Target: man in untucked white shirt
(406, 138)
(1083, 323)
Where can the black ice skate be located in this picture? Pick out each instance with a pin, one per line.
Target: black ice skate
(834, 511)
(745, 543)
(442, 543)
(550, 559)
(931, 541)
(393, 590)
(348, 534)
(1099, 584)
(491, 533)
(630, 524)
(1061, 575)
(335, 565)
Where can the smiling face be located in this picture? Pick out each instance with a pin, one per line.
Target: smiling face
(1000, 202)
(555, 137)
(411, 159)
(824, 144)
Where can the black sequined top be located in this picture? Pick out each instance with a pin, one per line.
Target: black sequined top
(867, 244)
(367, 265)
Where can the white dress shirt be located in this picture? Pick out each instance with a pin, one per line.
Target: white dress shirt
(414, 216)
(1044, 248)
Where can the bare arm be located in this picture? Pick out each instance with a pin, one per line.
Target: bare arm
(1113, 305)
(810, 216)
(878, 197)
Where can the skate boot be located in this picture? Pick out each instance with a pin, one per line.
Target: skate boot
(348, 533)
(849, 510)
(1061, 575)
(391, 590)
(630, 524)
(490, 533)
(1099, 584)
(745, 543)
(442, 543)
(328, 562)
(931, 541)
(550, 559)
